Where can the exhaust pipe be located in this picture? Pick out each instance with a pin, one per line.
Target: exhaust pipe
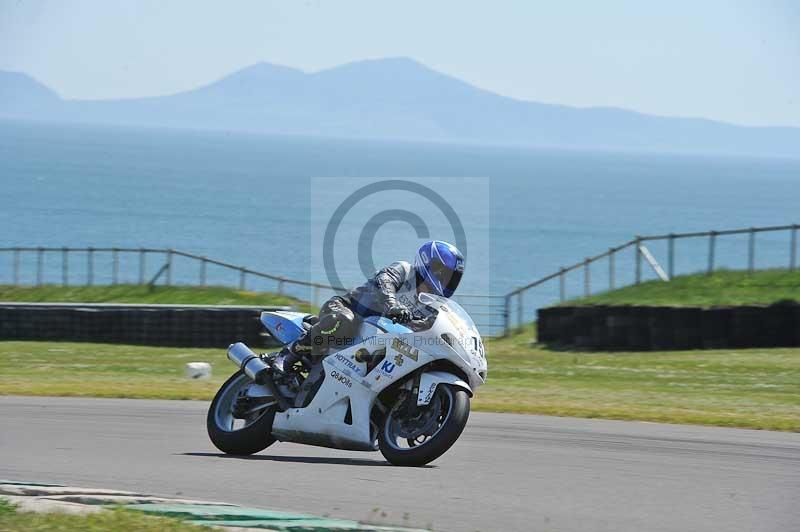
(249, 362)
(254, 367)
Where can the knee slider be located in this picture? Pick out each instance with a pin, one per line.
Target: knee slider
(330, 325)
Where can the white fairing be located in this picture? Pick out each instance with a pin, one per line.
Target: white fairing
(452, 337)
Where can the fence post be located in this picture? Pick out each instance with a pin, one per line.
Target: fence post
(169, 267)
(587, 290)
(280, 286)
(712, 239)
(90, 266)
(242, 273)
(793, 252)
(64, 266)
(638, 255)
(203, 263)
(562, 291)
(611, 269)
(506, 314)
(751, 251)
(141, 265)
(16, 267)
(114, 266)
(316, 295)
(39, 260)
(520, 311)
(671, 255)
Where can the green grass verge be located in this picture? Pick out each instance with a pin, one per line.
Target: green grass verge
(756, 388)
(179, 295)
(753, 388)
(701, 290)
(118, 519)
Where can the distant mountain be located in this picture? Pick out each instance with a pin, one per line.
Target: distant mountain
(22, 95)
(392, 99)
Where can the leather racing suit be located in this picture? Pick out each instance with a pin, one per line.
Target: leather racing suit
(392, 291)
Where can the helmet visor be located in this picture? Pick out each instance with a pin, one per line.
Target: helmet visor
(448, 277)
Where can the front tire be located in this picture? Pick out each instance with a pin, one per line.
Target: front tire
(256, 433)
(446, 416)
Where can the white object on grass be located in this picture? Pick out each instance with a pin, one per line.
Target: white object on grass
(198, 370)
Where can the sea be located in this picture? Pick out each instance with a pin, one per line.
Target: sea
(265, 203)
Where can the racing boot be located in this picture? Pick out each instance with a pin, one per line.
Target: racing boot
(287, 357)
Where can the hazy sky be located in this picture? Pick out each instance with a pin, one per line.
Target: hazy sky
(732, 60)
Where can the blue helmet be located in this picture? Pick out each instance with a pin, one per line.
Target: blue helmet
(441, 266)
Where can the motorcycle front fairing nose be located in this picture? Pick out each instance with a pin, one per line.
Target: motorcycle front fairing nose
(456, 338)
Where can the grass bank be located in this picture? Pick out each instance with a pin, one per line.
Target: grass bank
(13, 520)
(179, 295)
(756, 388)
(701, 290)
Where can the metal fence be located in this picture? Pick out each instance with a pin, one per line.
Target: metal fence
(151, 266)
(640, 254)
(494, 315)
(90, 266)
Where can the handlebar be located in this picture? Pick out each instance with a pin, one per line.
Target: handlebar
(418, 322)
(415, 317)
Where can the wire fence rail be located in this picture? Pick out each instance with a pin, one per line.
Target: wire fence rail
(94, 266)
(163, 274)
(494, 314)
(641, 254)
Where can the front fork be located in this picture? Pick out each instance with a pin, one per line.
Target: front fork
(411, 399)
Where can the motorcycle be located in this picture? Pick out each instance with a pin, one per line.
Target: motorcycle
(402, 389)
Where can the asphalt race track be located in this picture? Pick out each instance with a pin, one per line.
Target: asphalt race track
(508, 472)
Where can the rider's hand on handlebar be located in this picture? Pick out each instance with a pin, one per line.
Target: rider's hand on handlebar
(399, 314)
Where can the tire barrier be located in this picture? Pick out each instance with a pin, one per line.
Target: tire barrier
(648, 328)
(158, 325)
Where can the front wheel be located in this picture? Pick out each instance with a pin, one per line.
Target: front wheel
(420, 436)
(238, 424)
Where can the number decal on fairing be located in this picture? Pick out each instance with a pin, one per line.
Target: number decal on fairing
(405, 349)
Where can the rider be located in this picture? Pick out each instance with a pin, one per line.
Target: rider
(392, 292)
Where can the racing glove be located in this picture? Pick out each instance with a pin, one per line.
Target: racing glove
(399, 313)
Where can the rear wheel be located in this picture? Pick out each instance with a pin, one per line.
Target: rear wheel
(423, 434)
(238, 424)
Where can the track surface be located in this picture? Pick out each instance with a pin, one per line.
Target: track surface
(507, 472)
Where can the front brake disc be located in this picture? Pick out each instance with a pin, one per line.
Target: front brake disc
(424, 424)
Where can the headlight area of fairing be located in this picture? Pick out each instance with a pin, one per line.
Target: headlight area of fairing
(471, 367)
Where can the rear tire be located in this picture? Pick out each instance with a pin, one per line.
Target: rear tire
(453, 425)
(250, 439)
